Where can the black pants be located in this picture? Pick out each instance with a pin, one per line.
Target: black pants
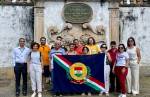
(114, 81)
(21, 69)
(46, 72)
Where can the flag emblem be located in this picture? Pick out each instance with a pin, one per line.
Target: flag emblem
(78, 71)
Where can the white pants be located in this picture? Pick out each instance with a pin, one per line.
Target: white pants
(133, 78)
(36, 77)
(106, 77)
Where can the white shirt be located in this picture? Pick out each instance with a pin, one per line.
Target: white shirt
(20, 55)
(121, 59)
(132, 54)
(35, 58)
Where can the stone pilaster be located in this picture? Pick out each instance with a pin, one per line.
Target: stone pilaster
(114, 21)
(38, 20)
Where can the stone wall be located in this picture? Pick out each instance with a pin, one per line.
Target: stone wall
(135, 22)
(15, 22)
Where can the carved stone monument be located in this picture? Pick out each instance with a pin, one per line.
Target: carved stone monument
(77, 25)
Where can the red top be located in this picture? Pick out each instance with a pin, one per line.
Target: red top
(79, 49)
(113, 53)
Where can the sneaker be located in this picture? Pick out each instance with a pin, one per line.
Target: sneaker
(120, 95)
(89, 94)
(134, 94)
(34, 94)
(123, 95)
(39, 95)
(24, 93)
(17, 94)
(100, 94)
(107, 94)
(54, 95)
(83, 94)
(129, 92)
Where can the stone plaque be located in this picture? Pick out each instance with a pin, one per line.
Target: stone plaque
(77, 13)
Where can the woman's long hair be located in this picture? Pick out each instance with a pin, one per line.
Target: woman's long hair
(131, 38)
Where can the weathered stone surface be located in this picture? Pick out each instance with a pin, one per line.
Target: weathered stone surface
(135, 22)
(15, 22)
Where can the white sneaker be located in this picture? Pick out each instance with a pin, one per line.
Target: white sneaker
(120, 95)
(124, 95)
(134, 94)
(107, 94)
(34, 94)
(100, 94)
(83, 94)
(39, 95)
(89, 94)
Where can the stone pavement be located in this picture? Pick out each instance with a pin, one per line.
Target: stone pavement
(7, 87)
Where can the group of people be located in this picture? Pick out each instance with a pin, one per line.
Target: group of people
(122, 64)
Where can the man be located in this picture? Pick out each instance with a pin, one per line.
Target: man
(44, 49)
(20, 59)
(57, 50)
(78, 46)
(59, 38)
(114, 83)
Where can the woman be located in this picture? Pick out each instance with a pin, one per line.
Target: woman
(93, 47)
(71, 50)
(120, 68)
(106, 69)
(36, 70)
(78, 46)
(133, 73)
(85, 50)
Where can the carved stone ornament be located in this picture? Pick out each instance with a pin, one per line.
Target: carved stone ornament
(100, 29)
(67, 26)
(53, 30)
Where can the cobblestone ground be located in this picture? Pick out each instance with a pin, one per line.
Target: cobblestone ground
(7, 87)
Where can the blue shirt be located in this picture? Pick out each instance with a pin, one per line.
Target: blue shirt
(53, 52)
(20, 55)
